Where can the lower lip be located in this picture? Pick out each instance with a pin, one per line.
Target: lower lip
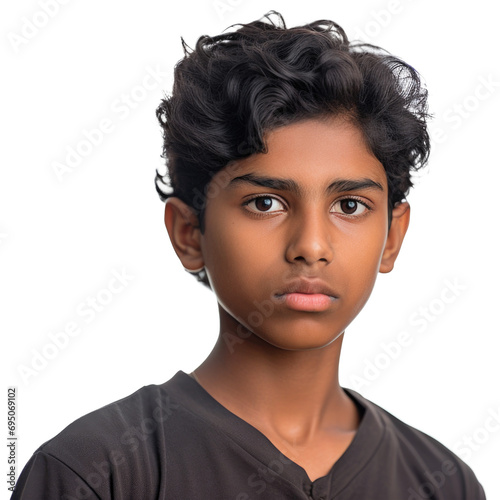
(308, 301)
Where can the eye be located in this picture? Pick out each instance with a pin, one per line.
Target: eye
(264, 204)
(350, 206)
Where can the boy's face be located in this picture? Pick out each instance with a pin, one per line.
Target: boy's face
(330, 233)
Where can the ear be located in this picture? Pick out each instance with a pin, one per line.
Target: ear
(184, 232)
(397, 231)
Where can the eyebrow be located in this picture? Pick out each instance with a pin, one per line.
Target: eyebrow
(339, 185)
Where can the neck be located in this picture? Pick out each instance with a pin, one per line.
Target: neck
(291, 394)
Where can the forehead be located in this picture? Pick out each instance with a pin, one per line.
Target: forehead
(312, 154)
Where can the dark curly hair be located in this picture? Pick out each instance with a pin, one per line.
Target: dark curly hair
(235, 87)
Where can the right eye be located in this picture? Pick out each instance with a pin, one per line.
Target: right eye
(264, 204)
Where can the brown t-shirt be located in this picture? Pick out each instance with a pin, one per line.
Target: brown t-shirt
(175, 441)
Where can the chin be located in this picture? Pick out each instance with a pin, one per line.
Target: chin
(303, 341)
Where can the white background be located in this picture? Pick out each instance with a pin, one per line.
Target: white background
(61, 239)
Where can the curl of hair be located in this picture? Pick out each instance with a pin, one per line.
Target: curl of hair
(235, 87)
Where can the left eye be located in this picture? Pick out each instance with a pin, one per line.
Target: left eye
(349, 206)
(265, 204)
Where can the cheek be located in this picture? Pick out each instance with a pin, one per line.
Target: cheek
(365, 257)
(230, 254)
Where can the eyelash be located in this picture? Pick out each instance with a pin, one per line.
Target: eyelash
(354, 198)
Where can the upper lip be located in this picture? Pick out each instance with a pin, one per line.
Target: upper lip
(303, 285)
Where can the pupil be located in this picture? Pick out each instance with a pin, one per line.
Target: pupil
(349, 206)
(264, 203)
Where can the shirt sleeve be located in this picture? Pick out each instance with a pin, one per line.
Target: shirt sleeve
(476, 491)
(46, 478)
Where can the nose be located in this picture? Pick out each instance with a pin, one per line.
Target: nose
(310, 239)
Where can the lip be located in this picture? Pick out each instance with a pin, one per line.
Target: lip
(306, 295)
(303, 285)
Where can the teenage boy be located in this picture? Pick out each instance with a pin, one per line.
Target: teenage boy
(289, 154)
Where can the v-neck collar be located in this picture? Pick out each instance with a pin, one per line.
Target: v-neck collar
(360, 451)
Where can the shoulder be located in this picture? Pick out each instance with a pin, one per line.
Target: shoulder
(110, 426)
(414, 449)
(105, 450)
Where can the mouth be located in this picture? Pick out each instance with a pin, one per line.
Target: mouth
(306, 295)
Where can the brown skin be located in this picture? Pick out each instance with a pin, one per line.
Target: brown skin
(273, 366)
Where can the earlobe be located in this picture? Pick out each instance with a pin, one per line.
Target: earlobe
(397, 231)
(184, 232)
